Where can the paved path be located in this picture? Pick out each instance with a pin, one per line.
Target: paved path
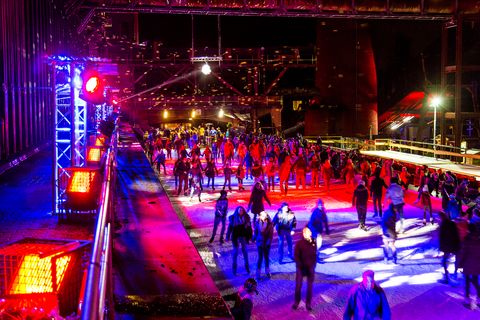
(158, 270)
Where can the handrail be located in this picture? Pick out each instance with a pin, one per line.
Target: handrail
(96, 290)
(346, 143)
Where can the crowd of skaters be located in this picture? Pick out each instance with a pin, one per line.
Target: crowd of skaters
(270, 159)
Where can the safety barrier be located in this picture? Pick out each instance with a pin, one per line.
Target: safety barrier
(97, 300)
(455, 154)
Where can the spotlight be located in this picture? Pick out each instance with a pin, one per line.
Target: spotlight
(193, 114)
(206, 70)
(221, 113)
(165, 114)
(83, 189)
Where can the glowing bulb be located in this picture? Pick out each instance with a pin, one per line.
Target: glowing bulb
(436, 101)
(165, 114)
(193, 114)
(92, 84)
(221, 113)
(206, 70)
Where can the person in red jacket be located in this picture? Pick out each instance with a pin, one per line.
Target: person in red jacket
(228, 151)
(327, 173)
(271, 169)
(284, 174)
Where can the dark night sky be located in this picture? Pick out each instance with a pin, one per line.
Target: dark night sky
(398, 45)
(240, 32)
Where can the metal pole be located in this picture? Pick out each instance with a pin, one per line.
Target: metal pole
(458, 81)
(434, 130)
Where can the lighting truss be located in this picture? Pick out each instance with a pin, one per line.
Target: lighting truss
(70, 126)
(206, 59)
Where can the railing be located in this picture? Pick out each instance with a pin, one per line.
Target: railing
(455, 154)
(459, 155)
(339, 142)
(97, 299)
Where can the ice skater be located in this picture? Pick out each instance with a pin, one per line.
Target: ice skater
(367, 300)
(263, 237)
(285, 223)
(360, 200)
(389, 234)
(240, 231)
(221, 209)
(305, 262)
(318, 223)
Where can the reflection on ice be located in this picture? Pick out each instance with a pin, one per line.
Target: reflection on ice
(411, 242)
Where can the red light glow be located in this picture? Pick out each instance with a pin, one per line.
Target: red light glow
(81, 181)
(35, 274)
(92, 84)
(94, 154)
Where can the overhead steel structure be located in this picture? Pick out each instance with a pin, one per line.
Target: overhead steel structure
(362, 9)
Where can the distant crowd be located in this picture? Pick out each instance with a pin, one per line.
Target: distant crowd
(273, 162)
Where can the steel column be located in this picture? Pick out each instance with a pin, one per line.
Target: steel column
(458, 81)
(443, 79)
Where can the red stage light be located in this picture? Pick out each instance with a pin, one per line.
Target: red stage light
(92, 84)
(83, 189)
(93, 89)
(39, 276)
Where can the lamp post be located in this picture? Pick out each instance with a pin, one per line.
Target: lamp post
(435, 102)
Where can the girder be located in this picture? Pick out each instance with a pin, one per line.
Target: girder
(336, 9)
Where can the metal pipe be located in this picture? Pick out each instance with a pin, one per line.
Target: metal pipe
(95, 292)
(458, 81)
(275, 12)
(6, 127)
(104, 273)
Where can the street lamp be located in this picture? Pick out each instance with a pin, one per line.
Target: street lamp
(435, 102)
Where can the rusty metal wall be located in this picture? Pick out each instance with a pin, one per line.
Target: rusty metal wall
(29, 33)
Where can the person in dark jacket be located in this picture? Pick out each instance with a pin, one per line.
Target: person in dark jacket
(318, 223)
(447, 189)
(263, 237)
(242, 310)
(360, 200)
(255, 205)
(305, 261)
(285, 223)
(449, 242)
(389, 234)
(469, 260)
(367, 300)
(160, 161)
(221, 209)
(183, 168)
(376, 192)
(240, 231)
(210, 172)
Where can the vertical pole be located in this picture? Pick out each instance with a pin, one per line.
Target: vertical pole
(458, 82)
(434, 130)
(5, 124)
(135, 28)
(193, 38)
(55, 146)
(219, 29)
(443, 79)
(72, 115)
